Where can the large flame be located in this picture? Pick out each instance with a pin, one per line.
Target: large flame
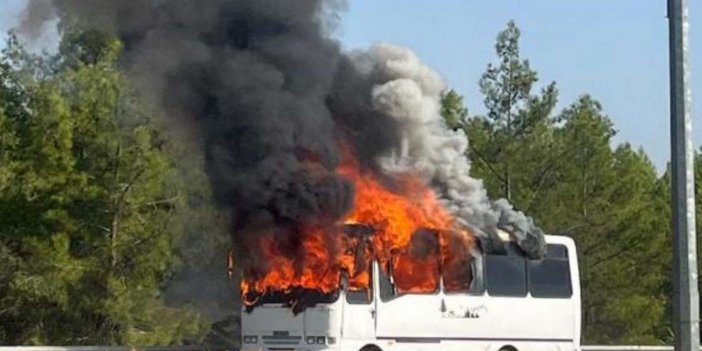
(415, 239)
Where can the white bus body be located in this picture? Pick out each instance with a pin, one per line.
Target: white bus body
(514, 304)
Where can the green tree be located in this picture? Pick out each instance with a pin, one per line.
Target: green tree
(563, 171)
(516, 127)
(453, 110)
(608, 201)
(87, 201)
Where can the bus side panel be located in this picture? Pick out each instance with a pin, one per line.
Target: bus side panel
(471, 318)
(463, 345)
(408, 316)
(497, 345)
(464, 317)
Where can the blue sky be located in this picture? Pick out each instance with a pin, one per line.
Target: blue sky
(613, 50)
(9, 11)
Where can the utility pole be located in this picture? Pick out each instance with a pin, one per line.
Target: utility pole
(686, 314)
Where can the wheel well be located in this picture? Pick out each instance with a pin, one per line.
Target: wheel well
(372, 347)
(508, 348)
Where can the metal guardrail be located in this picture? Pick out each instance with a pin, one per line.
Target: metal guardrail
(112, 348)
(205, 348)
(625, 348)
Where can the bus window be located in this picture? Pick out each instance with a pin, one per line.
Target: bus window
(506, 275)
(477, 284)
(308, 295)
(387, 291)
(456, 263)
(415, 276)
(550, 277)
(557, 251)
(468, 279)
(457, 278)
(416, 270)
(357, 295)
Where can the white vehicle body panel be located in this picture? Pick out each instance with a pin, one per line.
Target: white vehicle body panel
(437, 321)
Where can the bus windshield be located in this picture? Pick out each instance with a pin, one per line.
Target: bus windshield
(297, 299)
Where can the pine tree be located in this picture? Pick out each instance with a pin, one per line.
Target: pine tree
(507, 144)
(608, 201)
(563, 171)
(87, 202)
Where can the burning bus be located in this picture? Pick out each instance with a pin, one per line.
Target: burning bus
(403, 273)
(423, 299)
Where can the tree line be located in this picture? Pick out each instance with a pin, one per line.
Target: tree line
(95, 199)
(98, 197)
(562, 168)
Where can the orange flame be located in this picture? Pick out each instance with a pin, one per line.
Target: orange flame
(404, 213)
(230, 264)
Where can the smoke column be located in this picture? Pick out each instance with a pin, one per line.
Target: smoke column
(269, 94)
(410, 93)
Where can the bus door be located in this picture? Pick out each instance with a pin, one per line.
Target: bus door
(358, 312)
(403, 315)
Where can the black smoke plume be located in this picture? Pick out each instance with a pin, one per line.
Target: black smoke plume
(258, 80)
(269, 95)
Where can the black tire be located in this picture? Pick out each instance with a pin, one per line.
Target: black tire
(371, 348)
(508, 348)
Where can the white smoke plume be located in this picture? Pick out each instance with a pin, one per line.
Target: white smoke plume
(410, 92)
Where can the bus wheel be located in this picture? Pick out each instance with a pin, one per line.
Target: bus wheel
(370, 348)
(508, 348)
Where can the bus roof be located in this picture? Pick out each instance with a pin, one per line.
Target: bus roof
(559, 239)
